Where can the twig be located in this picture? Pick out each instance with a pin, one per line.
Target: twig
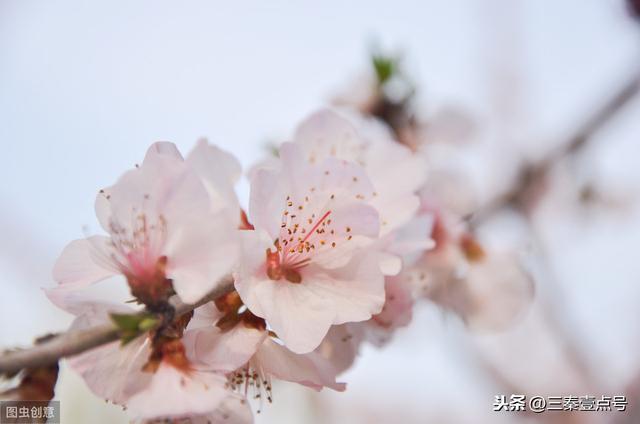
(75, 342)
(532, 175)
(523, 191)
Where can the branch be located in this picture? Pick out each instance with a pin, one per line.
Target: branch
(78, 341)
(533, 175)
(523, 191)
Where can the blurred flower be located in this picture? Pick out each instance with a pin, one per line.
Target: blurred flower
(341, 345)
(489, 290)
(386, 93)
(395, 172)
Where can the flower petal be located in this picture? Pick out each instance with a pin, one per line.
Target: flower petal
(84, 261)
(204, 316)
(223, 351)
(310, 370)
(301, 314)
(498, 292)
(112, 371)
(267, 201)
(88, 308)
(200, 253)
(326, 133)
(341, 345)
(219, 170)
(175, 394)
(397, 312)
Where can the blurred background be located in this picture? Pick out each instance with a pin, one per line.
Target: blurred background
(85, 87)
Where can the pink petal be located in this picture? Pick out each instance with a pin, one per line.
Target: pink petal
(398, 304)
(389, 264)
(397, 312)
(300, 182)
(267, 201)
(301, 314)
(83, 262)
(349, 219)
(113, 372)
(160, 149)
(166, 201)
(163, 186)
(326, 133)
(394, 170)
(499, 292)
(219, 170)
(102, 208)
(341, 345)
(223, 351)
(397, 174)
(204, 316)
(310, 370)
(201, 251)
(172, 393)
(395, 210)
(84, 305)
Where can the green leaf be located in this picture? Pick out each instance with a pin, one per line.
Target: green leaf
(384, 66)
(127, 321)
(148, 323)
(132, 325)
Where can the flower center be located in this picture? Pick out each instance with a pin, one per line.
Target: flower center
(302, 234)
(136, 251)
(151, 286)
(137, 248)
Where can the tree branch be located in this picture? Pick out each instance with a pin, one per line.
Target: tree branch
(75, 342)
(524, 190)
(533, 175)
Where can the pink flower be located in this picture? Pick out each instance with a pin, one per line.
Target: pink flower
(305, 267)
(167, 230)
(499, 292)
(134, 376)
(228, 336)
(395, 171)
(489, 289)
